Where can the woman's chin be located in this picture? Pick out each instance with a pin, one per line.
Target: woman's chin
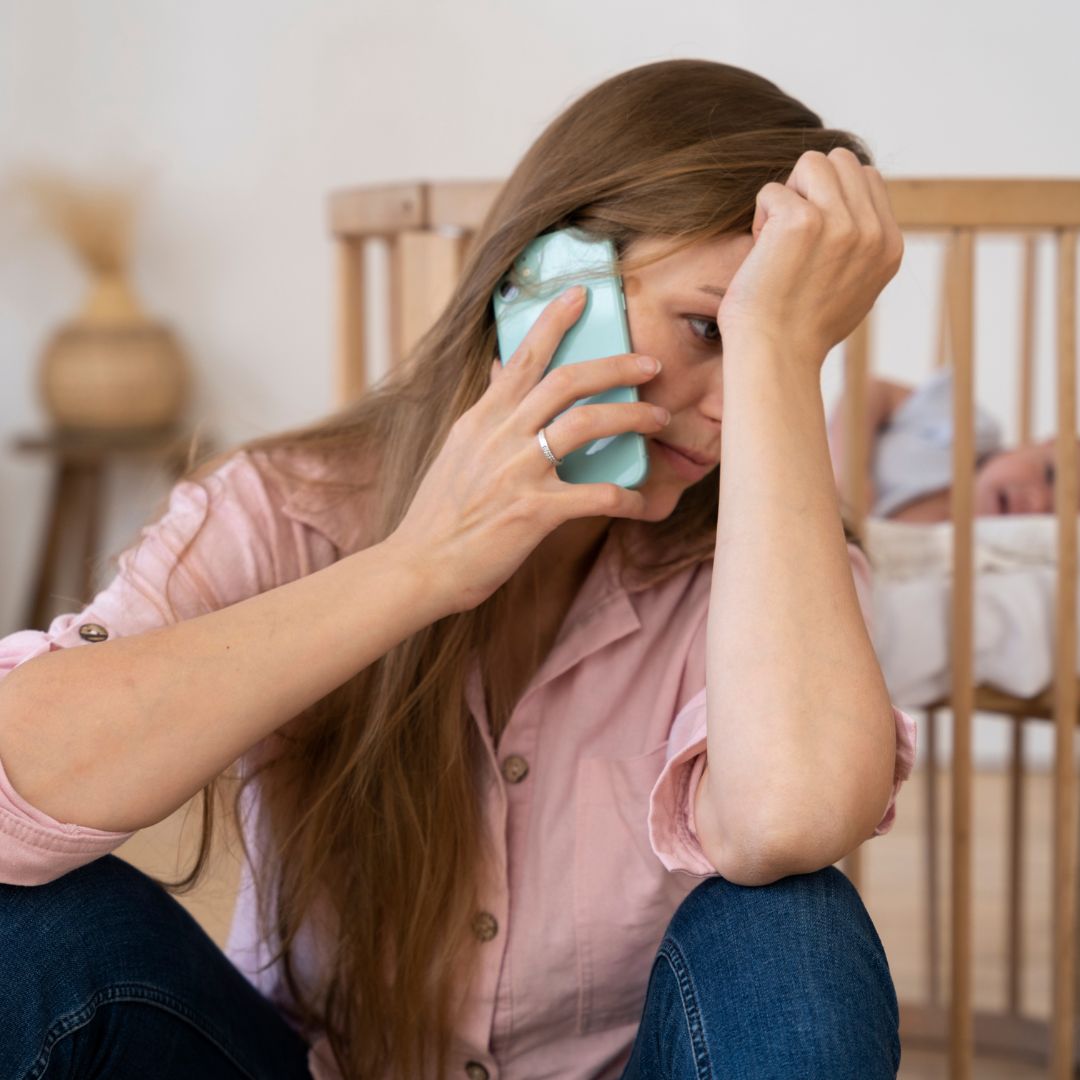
(660, 502)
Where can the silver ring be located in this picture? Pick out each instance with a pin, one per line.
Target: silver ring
(547, 449)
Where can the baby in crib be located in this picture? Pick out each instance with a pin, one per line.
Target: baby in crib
(910, 443)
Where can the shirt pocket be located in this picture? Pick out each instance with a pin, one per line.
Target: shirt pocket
(623, 896)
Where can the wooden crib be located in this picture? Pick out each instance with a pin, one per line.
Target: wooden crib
(422, 231)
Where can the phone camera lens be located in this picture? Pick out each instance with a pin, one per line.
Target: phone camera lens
(508, 290)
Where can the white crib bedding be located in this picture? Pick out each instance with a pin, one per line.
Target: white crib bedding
(1015, 590)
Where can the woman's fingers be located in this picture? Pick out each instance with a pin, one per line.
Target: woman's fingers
(583, 424)
(560, 388)
(816, 180)
(598, 500)
(842, 186)
(854, 184)
(826, 243)
(893, 236)
(867, 200)
(524, 369)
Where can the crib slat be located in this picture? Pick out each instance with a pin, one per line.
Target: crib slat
(1014, 875)
(961, 292)
(933, 889)
(396, 284)
(1014, 880)
(854, 480)
(1065, 686)
(943, 354)
(1026, 402)
(350, 376)
(426, 269)
(856, 471)
(857, 455)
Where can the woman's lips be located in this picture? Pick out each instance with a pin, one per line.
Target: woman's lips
(682, 463)
(697, 459)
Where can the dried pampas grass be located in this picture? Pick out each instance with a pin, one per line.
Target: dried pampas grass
(96, 220)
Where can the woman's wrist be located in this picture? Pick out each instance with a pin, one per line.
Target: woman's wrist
(759, 360)
(419, 582)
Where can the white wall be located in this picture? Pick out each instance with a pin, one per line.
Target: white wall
(246, 113)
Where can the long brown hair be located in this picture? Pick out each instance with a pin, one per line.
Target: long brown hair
(369, 796)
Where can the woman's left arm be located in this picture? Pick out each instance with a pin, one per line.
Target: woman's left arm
(801, 738)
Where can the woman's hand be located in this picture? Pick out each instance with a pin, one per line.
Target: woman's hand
(825, 245)
(491, 495)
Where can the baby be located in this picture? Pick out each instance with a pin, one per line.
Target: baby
(910, 443)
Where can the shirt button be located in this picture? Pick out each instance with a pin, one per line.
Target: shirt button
(475, 1071)
(514, 768)
(484, 926)
(92, 631)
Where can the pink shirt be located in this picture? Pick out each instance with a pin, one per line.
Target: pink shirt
(590, 793)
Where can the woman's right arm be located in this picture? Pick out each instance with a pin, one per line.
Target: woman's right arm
(119, 734)
(116, 734)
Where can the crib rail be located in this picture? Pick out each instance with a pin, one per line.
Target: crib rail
(1024, 207)
(425, 229)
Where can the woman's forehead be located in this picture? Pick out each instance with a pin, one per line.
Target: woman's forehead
(709, 264)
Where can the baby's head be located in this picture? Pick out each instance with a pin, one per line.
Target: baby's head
(1018, 481)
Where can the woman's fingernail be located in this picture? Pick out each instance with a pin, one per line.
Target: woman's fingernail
(648, 363)
(661, 414)
(572, 295)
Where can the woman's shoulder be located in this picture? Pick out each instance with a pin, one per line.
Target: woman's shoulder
(329, 491)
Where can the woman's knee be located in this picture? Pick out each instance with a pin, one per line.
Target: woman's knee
(806, 945)
(104, 961)
(88, 917)
(823, 903)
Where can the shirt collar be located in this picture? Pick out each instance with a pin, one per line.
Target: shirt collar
(332, 515)
(602, 610)
(335, 512)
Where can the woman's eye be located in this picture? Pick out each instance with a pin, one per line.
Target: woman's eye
(706, 329)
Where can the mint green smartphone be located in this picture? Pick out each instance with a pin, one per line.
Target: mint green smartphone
(551, 264)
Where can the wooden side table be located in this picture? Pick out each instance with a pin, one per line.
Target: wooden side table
(70, 546)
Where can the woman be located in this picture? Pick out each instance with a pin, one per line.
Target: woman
(910, 431)
(468, 700)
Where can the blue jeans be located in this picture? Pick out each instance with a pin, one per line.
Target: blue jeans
(104, 974)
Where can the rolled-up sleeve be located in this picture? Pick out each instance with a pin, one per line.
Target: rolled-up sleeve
(672, 828)
(189, 562)
(214, 545)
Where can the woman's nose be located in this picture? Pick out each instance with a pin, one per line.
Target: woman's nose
(711, 400)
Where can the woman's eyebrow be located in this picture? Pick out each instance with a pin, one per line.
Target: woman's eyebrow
(712, 290)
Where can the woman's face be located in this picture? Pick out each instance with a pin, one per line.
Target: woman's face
(671, 309)
(1017, 481)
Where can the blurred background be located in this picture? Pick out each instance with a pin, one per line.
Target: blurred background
(233, 121)
(238, 118)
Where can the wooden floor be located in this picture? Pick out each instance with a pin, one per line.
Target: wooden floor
(894, 885)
